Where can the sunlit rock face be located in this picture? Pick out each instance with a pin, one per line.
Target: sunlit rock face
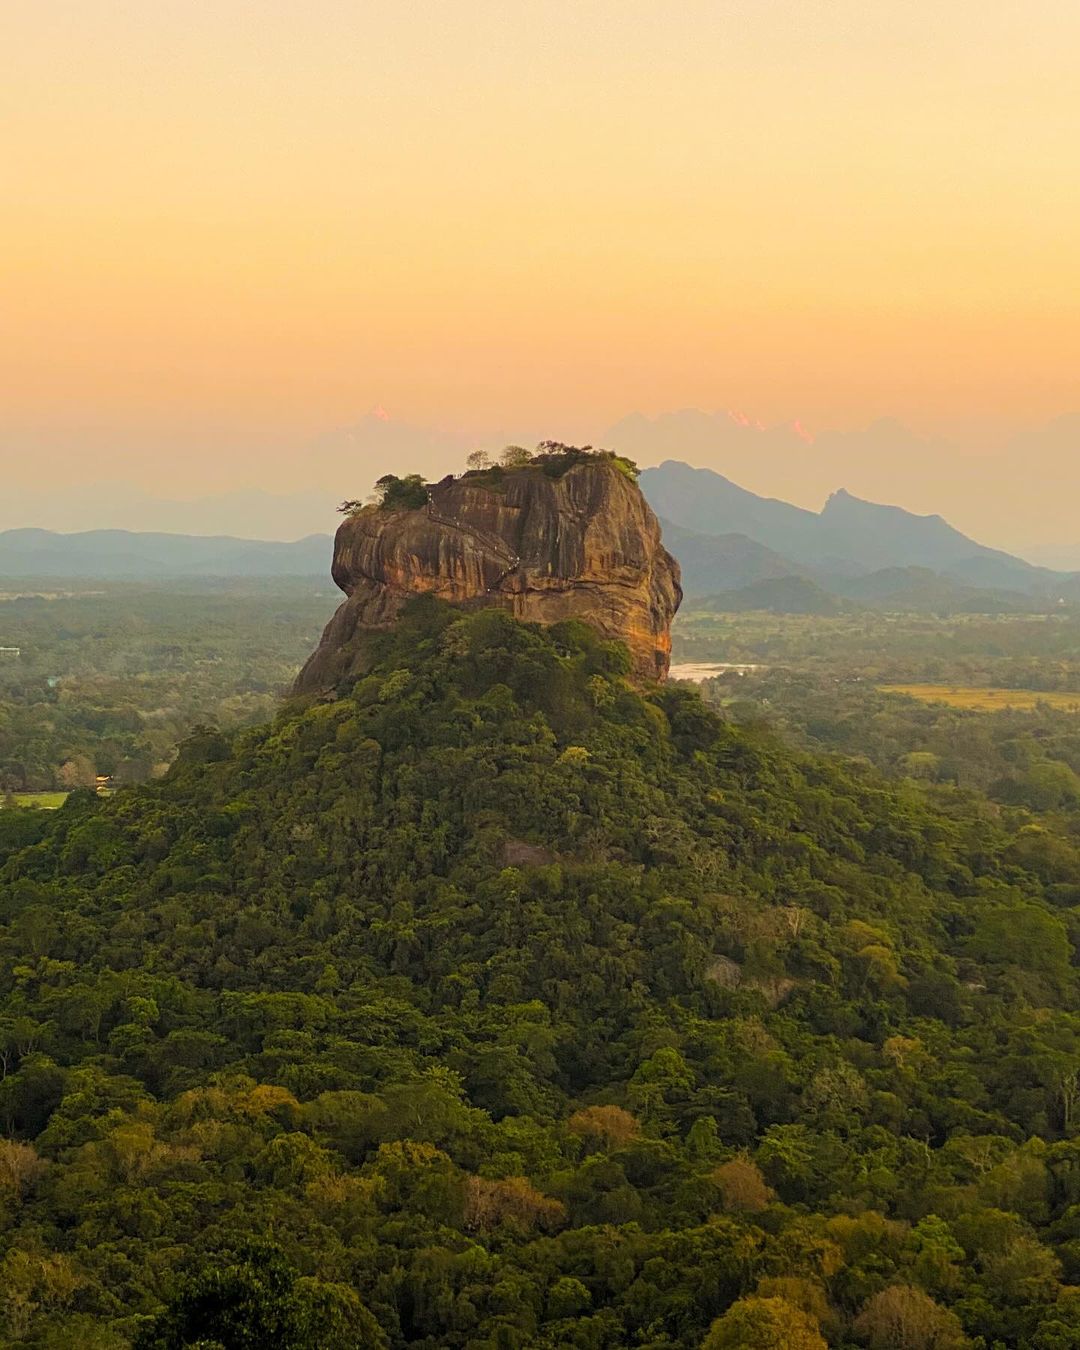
(584, 545)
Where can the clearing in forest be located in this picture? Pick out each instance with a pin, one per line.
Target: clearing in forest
(47, 801)
(986, 700)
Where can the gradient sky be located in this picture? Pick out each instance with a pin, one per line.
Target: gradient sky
(229, 226)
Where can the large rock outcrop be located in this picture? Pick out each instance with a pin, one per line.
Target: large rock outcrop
(582, 545)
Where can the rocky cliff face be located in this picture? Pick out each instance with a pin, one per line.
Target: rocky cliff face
(584, 545)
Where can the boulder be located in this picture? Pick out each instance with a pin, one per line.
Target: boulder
(547, 546)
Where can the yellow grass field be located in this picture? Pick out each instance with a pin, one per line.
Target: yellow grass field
(986, 700)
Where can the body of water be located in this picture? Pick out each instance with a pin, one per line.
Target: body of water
(706, 670)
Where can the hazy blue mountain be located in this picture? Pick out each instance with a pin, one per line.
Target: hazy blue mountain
(704, 501)
(888, 536)
(712, 562)
(126, 555)
(780, 595)
(1016, 492)
(918, 588)
(847, 537)
(915, 589)
(726, 538)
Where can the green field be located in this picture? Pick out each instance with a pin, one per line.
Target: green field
(986, 700)
(46, 801)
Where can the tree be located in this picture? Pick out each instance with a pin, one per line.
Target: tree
(764, 1324)
(401, 494)
(610, 1124)
(1022, 934)
(568, 1297)
(30, 1285)
(478, 460)
(809, 1295)
(1060, 1327)
(662, 1078)
(937, 1256)
(20, 1167)
(513, 1201)
(1023, 1271)
(1047, 785)
(741, 1185)
(703, 1139)
(904, 1318)
(252, 1298)
(77, 772)
(515, 457)
(922, 764)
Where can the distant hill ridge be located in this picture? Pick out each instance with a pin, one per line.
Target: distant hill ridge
(728, 538)
(127, 555)
(725, 537)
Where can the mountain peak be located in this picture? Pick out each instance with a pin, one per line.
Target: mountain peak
(843, 501)
(848, 536)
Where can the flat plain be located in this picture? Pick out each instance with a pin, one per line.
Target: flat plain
(981, 699)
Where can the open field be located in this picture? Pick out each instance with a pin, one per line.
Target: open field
(986, 700)
(46, 801)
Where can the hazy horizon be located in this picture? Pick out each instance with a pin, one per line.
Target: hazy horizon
(225, 240)
(883, 461)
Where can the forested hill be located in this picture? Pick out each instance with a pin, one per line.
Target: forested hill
(516, 1008)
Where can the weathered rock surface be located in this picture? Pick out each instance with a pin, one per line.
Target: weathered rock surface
(584, 545)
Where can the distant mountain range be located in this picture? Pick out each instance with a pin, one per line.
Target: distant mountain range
(1017, 492)
(127, 555)
(738, 551)
(728, 540)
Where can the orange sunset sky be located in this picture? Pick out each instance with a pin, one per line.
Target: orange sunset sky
(228, 227)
